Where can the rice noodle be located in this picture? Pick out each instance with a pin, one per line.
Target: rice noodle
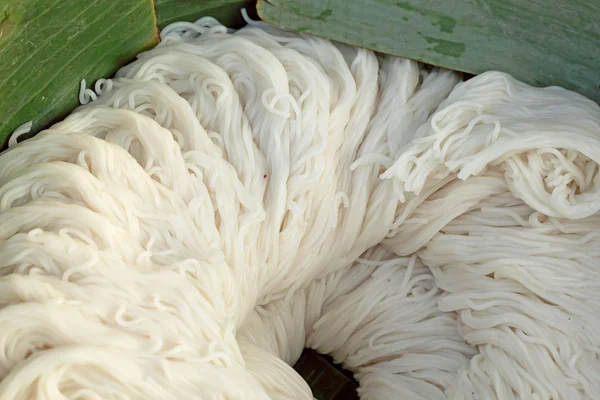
(230, 198)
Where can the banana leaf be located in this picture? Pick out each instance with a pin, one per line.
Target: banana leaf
(48, 46)
(541, 42)
(226, 12)
(326, 379)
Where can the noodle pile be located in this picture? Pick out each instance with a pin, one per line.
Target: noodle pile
(230, 198)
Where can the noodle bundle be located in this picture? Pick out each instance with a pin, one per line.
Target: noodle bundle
(230, 198)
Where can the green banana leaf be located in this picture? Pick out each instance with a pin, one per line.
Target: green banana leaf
(541, 42)
(226, 12)
(48, 46)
